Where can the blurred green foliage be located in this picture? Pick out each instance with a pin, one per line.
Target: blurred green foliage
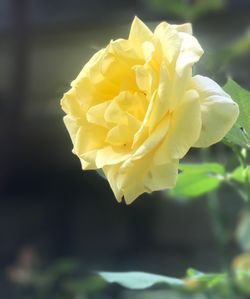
(169, 294)
(217, 62)
(186, 9)
(63, 279)
(240, 47)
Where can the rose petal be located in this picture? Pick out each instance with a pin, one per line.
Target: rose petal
(120, 135)
(184, 130)
(162, 176)
(169, 40)
(218, 111)
(96, 114)
(153, 139)
(186, 27)
(111, 175)
(142, 176)
(84, 141)
(130, 178)
(72, 127)
(146, 79)
(139, 32)
(71, 105)
(190, 52)
(111, 155)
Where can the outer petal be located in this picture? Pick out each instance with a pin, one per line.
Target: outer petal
(131, 178)
(141, 176)
(139, 32)
(186, 27)
(111, 175)
(84, 146)
(218, 111)
(84, 141)
(169, 39)
(71, 105)
(184, 130)
(110, 155)
(87, 89)
(94, 60)
(162, 176)
(125, 52)
(190, 52)
(72, 127)
(91, 85)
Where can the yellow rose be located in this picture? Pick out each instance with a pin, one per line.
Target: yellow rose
(135, 109)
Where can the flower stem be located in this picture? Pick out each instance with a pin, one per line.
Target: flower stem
(241, 154)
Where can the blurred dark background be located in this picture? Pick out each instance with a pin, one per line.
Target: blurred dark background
(49, 208)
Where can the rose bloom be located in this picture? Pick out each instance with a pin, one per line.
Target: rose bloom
(135, 109)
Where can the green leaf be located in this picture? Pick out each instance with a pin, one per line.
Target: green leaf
(240, 174)
(243, 232)
(140, 280)
(240, 132)
(194, 280)
(198, 179)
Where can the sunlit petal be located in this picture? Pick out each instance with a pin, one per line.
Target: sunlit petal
(218, 111)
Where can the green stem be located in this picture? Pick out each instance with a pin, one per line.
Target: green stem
(241, 154)
(236, 188)
(242, 157)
